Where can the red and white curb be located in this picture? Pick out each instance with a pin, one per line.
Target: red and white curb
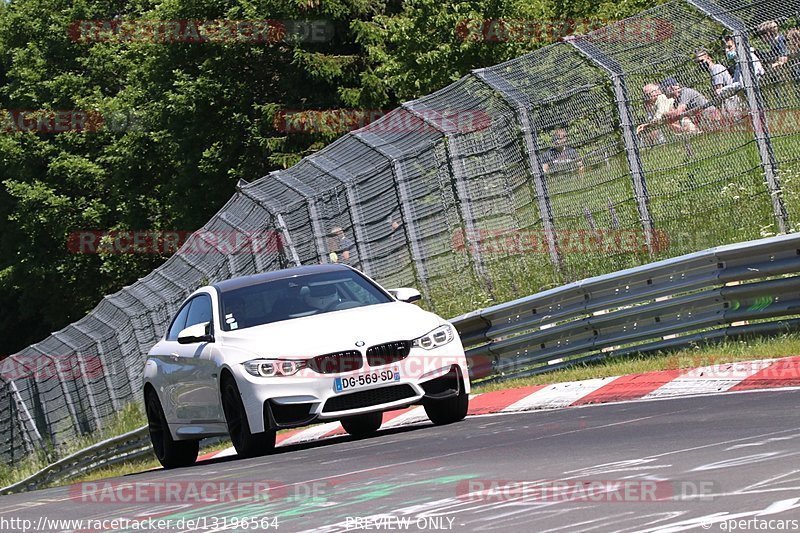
(714, 379)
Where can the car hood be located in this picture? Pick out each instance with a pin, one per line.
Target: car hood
(335, 331)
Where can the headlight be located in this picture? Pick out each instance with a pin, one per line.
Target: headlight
(267, 368)
(438, 337)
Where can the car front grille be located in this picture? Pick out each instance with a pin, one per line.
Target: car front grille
(367, 398)
(390, 352)
(334, 363)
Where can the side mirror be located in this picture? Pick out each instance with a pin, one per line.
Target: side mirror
(196, 333)
(406, 294)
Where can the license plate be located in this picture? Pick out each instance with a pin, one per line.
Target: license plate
(365, 380)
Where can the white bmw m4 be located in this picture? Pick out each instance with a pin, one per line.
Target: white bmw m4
(251, 355)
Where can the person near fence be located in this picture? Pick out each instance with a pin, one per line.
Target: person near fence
(397, 235)
(793, 41)
(659, 107)
(779, 50)
(736, 79)
(342, 248)
(690, 103)
(561, 156)
(720, 78)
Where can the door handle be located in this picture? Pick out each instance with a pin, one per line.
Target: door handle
(174, 356)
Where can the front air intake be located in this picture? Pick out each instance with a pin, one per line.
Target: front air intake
(368, 398)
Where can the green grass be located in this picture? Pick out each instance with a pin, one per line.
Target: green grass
(700, 355)
(135, 466)
(127, 419)
(704, 191)
(725, 352)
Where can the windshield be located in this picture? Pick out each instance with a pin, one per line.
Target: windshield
(295, 297)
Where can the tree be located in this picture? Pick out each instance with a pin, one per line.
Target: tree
(180, 124)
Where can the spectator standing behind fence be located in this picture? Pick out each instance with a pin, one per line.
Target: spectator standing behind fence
(343, 250)
(397, 236)
(658, 106)
(779, 51)
(689, 103)
(561, 156)
(793, 41)
(736, 79)
(720, 78)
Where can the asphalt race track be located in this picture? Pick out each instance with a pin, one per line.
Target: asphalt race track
(668, 465)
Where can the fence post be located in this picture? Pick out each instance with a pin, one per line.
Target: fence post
(131, 372)
(472, 236)
(39, 405)
(617, 75)
(278, 219)
(353, 212)
(316, 224)
(84, 378)
(520, 103)
(109, 386)
(407, 214)
(68, 401)
(24, 409)
(201, 234)
(287, 239)
(755, 105)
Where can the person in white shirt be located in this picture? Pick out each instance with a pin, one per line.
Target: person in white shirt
(720, 78)
(659, 108)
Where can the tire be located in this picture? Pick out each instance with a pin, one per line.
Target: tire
(247, 444)
(362, 425)
(170, 453)
(448, 410)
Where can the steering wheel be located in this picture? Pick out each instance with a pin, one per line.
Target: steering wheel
(338, 305)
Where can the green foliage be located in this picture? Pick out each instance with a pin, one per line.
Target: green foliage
(423, 45)
(183, 122)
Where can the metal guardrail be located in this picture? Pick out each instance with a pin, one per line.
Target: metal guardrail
(662, 305)
(125, 447)
(454, 191)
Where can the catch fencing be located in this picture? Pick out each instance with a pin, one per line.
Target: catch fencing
(517, 178)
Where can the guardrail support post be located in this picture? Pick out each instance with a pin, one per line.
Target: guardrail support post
(520, 104)
(755, 105)
(617, 75)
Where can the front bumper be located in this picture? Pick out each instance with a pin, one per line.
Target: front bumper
(281, 402)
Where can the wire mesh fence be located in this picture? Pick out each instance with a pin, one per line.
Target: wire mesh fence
(659, 135)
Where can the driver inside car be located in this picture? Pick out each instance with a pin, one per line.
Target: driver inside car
(321, 297)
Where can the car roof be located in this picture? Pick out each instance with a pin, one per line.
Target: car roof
(256, 279)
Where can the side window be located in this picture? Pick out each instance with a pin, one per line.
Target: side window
(179, 323)
(200, 310)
